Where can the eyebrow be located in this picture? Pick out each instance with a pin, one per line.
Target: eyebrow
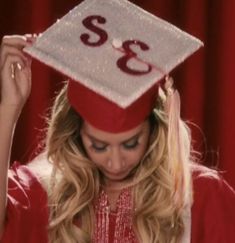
(106, 143)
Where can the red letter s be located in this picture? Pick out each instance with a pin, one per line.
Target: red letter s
(88, 23)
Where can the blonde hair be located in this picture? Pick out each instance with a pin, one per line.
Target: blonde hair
(71, 196)
(158, 210)
(160, 205)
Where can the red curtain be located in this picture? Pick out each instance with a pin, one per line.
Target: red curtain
(206, 80)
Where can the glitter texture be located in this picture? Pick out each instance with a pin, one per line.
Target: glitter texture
(117, 227)
(114, 227)
(96, 67)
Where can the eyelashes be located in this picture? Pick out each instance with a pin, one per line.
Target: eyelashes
(131, 145)
(99, 148)
(127, 145)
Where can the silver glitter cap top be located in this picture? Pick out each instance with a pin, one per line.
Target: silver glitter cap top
(114, 48)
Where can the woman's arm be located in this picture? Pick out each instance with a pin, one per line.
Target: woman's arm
(15, 86)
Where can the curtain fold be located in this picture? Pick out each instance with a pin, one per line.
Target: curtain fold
(206, 80)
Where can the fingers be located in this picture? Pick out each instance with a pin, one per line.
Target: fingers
(23, 76)
(15, 82)
(13, 51)
(11, 63)
(19, 40)
(31, 38)
(15, 40)
(13, 45)
(12, 56)
(15, 70)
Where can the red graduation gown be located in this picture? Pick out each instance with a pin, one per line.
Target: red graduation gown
(213, 211)
(27, 212)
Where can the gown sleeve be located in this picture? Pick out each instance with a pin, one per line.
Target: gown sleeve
(213, 211)
(26, 212)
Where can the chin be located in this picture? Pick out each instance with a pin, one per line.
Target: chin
(118, 177)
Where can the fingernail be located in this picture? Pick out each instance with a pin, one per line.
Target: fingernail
(28, 35)
(19, 66)
(29, 40)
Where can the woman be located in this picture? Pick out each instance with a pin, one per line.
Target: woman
(135, 185)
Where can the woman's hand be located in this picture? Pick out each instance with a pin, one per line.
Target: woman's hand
(15, 72)
(15, 86)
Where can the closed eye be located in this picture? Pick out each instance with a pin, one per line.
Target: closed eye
(99, 148)
(131, 145)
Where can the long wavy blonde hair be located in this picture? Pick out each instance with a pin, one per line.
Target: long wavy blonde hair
(162, 184)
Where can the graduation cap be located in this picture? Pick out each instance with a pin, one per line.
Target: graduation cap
(115, 55)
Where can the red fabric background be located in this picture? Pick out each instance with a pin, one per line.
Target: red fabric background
(206, 80)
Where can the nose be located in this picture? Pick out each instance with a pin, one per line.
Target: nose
(116, 160)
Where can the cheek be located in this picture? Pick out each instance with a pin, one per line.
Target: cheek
(138, 155)
(98, 159)
(91, 154)
(134, 157)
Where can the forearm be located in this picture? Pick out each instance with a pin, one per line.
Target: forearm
(8, 118)
(15, 86)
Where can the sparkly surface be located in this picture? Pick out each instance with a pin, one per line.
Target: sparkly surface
(117, 227)
(96, 67)
(114, 227)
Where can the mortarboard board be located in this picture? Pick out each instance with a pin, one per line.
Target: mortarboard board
(115, 55)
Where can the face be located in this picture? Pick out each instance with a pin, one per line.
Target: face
(115, 154)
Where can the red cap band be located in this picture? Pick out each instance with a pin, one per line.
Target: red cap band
(106, 115)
